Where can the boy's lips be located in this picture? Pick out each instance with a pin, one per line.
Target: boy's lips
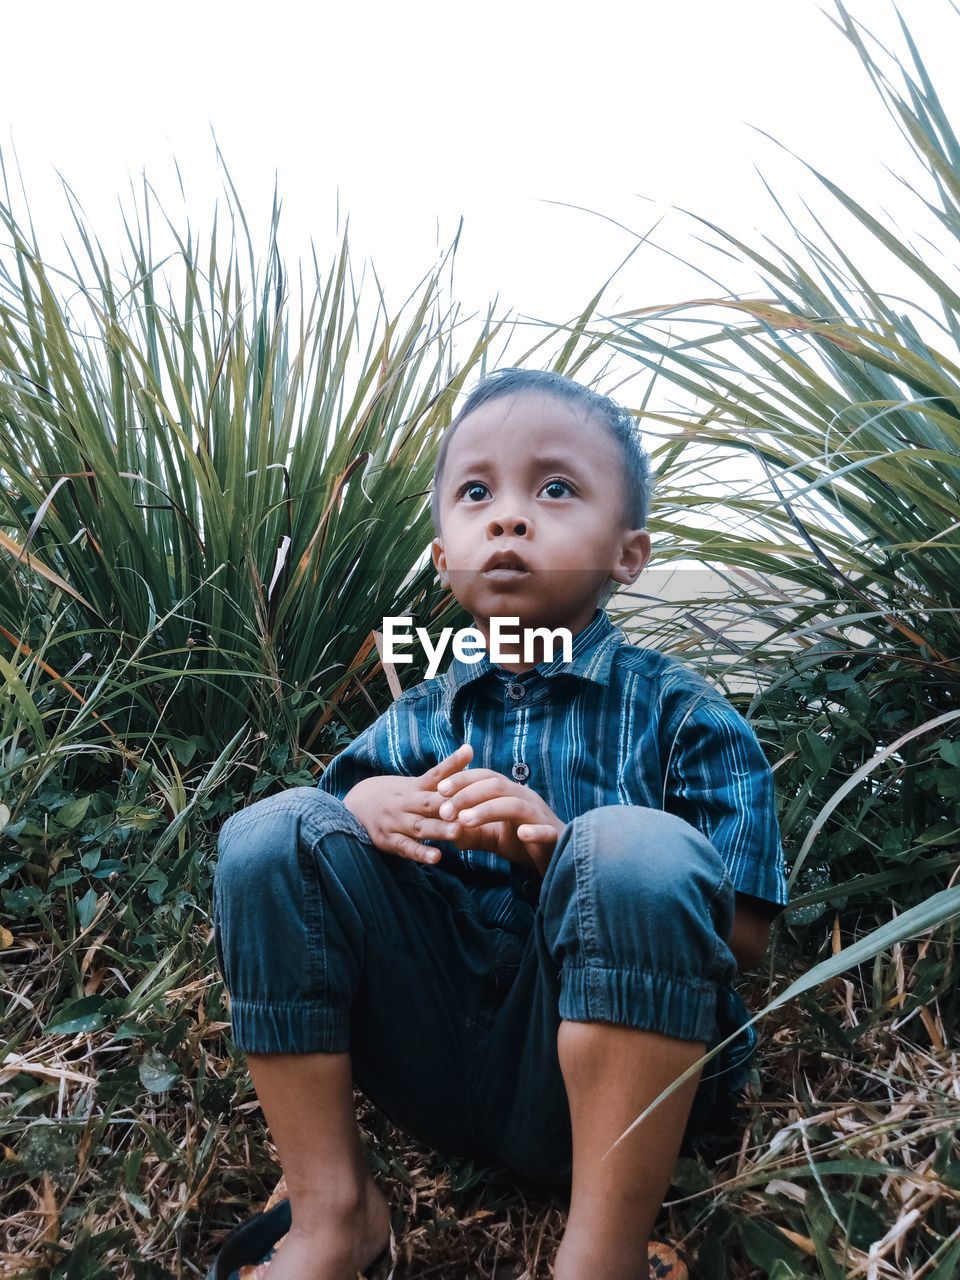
(505, 565)
(505, 574)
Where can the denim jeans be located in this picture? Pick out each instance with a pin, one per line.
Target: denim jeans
(328, 944)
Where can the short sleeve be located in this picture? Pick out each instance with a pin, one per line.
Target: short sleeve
(719, 780)
(392, 744)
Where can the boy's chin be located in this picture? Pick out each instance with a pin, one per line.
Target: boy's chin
(533, 607)
(526, 613)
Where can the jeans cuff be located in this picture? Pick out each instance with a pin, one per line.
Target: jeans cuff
(259, 1027)
(649, 1001)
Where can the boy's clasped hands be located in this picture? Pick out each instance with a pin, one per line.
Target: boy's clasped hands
(470, 808)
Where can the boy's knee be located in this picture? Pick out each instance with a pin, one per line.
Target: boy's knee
(637, 901)
(265, 837)
(649, 864)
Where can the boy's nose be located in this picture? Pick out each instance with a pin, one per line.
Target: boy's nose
(508, 524)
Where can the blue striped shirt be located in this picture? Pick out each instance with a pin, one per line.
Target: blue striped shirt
(618, 724)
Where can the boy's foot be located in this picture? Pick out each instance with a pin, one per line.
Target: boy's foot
(664, 1262)
(336, 1251)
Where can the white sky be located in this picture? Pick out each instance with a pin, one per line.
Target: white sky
(415, 114)
(424, 111)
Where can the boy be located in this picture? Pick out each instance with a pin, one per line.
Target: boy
(583, 854)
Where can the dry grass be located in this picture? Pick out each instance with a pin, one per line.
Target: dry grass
(895, 1098)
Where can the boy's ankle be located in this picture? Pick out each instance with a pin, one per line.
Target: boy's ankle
(344, 1201)
(579, 1256)
(336, 1239)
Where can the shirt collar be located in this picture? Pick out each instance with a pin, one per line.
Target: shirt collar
(592, 653)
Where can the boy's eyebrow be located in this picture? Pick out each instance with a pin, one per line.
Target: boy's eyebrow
(560, 461)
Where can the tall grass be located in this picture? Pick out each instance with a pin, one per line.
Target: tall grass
(217, 495)
(846, 549)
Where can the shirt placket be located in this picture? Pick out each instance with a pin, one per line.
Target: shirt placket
(524, 884)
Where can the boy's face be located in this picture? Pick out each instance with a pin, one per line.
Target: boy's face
(530, 475)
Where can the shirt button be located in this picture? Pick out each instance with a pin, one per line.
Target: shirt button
(530, 891)
(515, 690)
(521, 771)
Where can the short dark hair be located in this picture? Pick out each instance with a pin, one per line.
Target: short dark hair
(622, 425)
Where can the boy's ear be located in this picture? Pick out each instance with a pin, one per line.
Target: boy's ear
(634, 554)
(439, 559)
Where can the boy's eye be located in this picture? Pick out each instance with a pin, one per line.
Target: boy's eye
(478, 484)
(470, 484)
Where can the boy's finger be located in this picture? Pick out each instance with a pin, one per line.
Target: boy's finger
(501, 808)
(533, 833)
(449, 764)
(434, 829)
(407, 847)
(484, 785)
(454, 782)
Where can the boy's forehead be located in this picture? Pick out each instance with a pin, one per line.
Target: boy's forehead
(537, 426)
(534, 408)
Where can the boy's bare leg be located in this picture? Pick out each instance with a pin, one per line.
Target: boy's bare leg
(612, 1073)
(341, 1218)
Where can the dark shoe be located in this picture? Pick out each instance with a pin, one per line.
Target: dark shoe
(248, 1248)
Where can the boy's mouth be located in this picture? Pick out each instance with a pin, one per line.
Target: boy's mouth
(504, 562)
(504, 566)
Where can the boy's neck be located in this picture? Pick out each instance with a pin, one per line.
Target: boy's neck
(574, 625)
